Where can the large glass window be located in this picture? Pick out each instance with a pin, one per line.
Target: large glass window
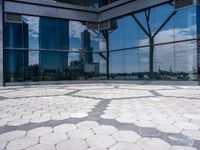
(125, 35)
(39, 48)
(143, 63)
(164, 62)
(166, 34)
(185, 24)
(116, 64)
(131, 64)
(186, 60)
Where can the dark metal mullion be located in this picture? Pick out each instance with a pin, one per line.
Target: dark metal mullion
(104, 57)
(106, 36)
(140, 25)
(147, 15)
(171, 3)
(166, 21)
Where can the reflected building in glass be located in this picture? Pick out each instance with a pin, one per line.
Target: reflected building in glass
(50, 40)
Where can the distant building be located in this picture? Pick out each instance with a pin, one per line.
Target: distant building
(86, 55)
(46, 40)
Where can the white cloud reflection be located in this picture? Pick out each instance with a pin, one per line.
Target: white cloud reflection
(184, 53)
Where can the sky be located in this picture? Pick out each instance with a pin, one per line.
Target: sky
(176, 57)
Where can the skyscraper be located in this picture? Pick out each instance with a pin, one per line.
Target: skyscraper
(86, 49)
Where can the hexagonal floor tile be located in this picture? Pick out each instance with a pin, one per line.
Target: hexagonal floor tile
(126, 136)
(192, 116)
(59, 117)
(42, 147)
(169, 128)
(126, 119)
(12, 135)
(18, 122)
(79, 115)
(72, 144)
(101, 141)
(22, 143)
(87, 124)
(194, 134)
(125, 146)
(40, 119)
(96, 148)
(81, 133)
(3, 145)
(153, 144)
(37, 132)
(105, 129)
(186, 125)
(53, 138)
(64, 128)
(182, 148)
(145, 124)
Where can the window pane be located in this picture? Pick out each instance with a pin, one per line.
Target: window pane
(116, 65)
(185, 24)
(143, 63)
(186, 61)
(164, 62)
(131, 64)
(166, 34)
(32, 70)
(49, 65)
(33, 32)
(116, 36)
(15, 61)
(13, 30)
(77, 36)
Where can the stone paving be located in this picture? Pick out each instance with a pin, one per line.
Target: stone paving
(100, 117)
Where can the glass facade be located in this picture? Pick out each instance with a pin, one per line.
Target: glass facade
(40, 49)
(159, 43)
(87, 3)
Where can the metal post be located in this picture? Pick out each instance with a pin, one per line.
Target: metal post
(151, 58)
(1, 44)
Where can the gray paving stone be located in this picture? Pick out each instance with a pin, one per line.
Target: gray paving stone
(3, 145)
(192, 116)
(22, 143)
(182, 148)
(42, 147)
(64, 128)
(101, 141)
(81, 133)
(169, 128)
(168, 114)
(125, 146)
(153, 144)
(37, 132)
(12, 135)
(53, 138)
(186, 125)
(126, 136)
(88, 124)
(194, 134)
(105, 129)
(72, 144)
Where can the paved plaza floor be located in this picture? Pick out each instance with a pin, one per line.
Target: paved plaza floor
(100, 117)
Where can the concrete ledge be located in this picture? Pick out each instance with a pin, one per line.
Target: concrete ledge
(137, 82)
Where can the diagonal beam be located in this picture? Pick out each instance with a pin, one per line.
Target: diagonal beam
(164, 23)
(106, 36)
(104, 57)
(147, 15)
(140, 25)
